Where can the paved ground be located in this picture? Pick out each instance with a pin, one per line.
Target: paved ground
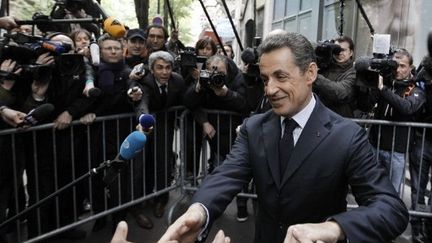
(239, 232)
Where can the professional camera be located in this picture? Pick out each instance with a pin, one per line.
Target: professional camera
(25, 49)
(22, 48)
(212, 78)
(324, 53)
(188, 58)
(250, 57)
(369, 69)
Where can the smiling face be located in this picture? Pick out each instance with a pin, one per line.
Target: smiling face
(82, 40)
(287, 87)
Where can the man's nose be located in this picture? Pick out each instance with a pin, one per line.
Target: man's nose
(270, 87)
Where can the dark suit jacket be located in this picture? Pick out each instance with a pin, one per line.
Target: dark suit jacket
(331, 153)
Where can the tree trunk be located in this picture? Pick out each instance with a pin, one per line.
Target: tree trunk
(141, 9)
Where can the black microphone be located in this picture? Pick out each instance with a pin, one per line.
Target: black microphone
(132, 145)
(248, 56)
(37, 115)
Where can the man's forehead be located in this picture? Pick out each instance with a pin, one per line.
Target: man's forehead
(155, 31)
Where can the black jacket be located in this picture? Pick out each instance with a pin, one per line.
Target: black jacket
(399, 103)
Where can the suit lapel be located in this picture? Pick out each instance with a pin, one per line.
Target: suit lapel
(272, 132)
(314, 132)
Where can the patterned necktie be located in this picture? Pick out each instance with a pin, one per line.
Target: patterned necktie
(163, 94)
(286, 145)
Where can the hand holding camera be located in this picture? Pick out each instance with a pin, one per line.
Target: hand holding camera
(137, 72)
(135, 93)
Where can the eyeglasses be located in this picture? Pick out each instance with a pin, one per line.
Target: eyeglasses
(111, 48)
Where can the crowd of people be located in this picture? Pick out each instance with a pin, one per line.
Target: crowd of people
(145, 72)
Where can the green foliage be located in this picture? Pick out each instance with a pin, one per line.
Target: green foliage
(123, 10)
(24, 9)
(181, 9)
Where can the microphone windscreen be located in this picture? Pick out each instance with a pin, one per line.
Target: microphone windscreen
(132, 144)
(248, 56)
(95, 54)
(113, 27)
(362, 64)
(39, 113)
(146, 121)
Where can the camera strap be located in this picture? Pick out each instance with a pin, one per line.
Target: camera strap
(408, 90)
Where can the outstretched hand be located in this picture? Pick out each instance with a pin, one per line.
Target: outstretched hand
(186, 228)
(120, 234)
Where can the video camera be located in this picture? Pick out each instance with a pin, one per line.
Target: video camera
(212, 78)
(368, 70)
(188, 58)
(25, 49)
(324, 53)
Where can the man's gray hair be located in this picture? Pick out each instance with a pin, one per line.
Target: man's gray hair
(300, 46)
(162, 55)
(216, 59)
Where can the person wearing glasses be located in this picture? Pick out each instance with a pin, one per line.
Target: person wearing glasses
(112, 79)
(335, 84)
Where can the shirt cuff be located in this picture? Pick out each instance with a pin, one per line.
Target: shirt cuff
(203, 234)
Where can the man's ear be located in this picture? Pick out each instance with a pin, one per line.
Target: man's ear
(312, 72)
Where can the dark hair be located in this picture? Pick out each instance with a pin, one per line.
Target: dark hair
(348, 40)
(156, 26)
(232, 50)
(205, 41)
(76, 32)
(300, 47)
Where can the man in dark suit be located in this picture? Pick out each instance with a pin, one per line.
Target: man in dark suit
(307, 201)
(156, 93)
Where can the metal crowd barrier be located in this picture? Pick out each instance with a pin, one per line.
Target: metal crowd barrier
(195, 167)
(194, 156)
(53, 158)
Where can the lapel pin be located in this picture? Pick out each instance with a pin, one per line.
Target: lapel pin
(318, 134)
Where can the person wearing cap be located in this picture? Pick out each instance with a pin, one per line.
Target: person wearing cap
(136, 48)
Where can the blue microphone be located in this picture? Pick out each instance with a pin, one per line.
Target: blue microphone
(130, 147)
(146, 121)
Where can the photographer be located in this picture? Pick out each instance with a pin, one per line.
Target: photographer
(398, 100)
(209, 93)
(335, 84)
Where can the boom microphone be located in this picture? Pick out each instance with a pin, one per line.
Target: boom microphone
(132, 145)
(37, 115)
(113, 27)
(146, 121)
(248, 56)
(110, 25)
